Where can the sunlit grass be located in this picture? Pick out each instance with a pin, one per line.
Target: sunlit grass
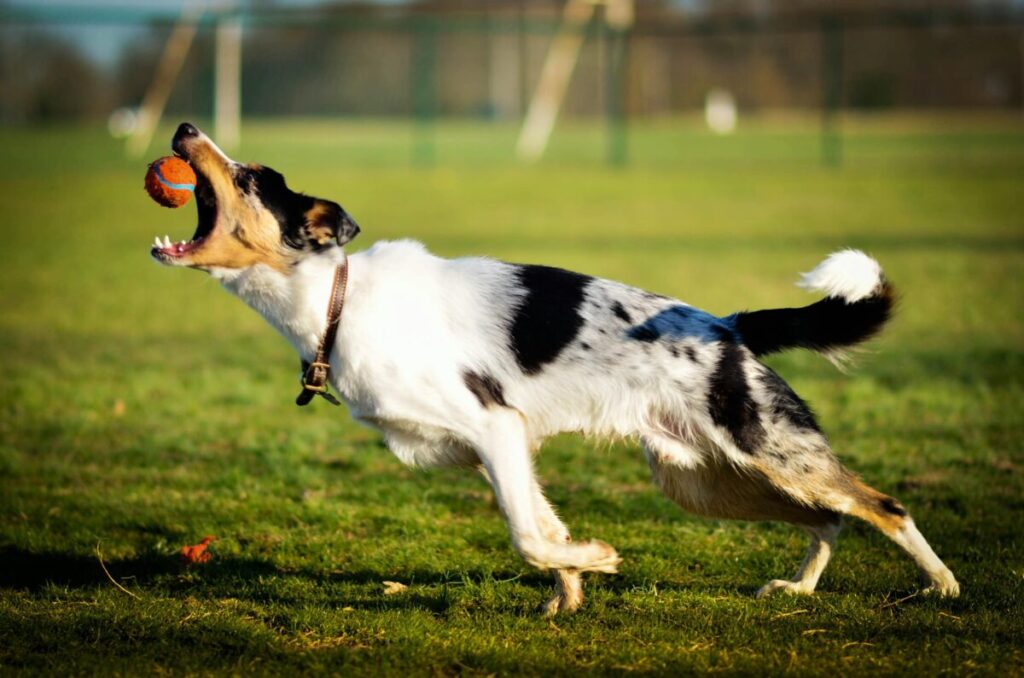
(143, 408)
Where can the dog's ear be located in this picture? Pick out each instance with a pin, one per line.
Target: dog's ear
(327, 222)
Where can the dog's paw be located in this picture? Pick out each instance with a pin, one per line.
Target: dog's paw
(566, 599)
(561, 603)
(597, 556)
(944, 587)
(583, 556)
(783, 586)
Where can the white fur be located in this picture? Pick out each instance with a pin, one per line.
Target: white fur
(850, 275)
(414, 324)
(937, 576)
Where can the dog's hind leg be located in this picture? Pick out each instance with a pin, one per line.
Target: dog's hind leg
(716, 488)
(844, 492)
(818, 479)
(504, 451)
(795, 458)
(833, 490)
(889, 516)
(823, 542)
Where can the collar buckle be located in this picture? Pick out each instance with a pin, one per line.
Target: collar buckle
(315, 377)
(315, 374)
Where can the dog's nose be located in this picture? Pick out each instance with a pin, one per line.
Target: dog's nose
(186, 129)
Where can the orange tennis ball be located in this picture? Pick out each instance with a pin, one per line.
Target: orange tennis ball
(170, 181)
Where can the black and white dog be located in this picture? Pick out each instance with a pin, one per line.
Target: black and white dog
(473, 362)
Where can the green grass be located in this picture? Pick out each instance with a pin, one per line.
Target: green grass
(142, 408)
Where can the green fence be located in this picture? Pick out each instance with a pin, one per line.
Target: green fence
(423, 66)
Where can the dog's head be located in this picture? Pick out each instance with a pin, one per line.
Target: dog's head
(248, 215)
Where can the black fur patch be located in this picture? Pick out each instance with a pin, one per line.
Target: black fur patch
(722, 334)
(890, 505)
(827, 324)
(290, 209)
(621, 313)
(485, 387)
(585, 346)
(673, 350)
(787, 404)
(644, 333)
(548, 318)
(729, 401)
(691, 354)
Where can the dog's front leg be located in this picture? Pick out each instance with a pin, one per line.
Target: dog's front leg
(504, 451)
(568, 583)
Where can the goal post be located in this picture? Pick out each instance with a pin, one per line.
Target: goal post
(227, 103)
(173, 58)
(558, 68)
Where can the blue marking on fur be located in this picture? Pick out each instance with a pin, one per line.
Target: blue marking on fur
(679, 322)
(177, 187)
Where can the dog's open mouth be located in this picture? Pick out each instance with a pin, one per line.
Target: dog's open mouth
(206, 206)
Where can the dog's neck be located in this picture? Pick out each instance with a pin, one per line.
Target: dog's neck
(294, 303)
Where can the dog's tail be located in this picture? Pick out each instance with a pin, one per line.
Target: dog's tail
(860, 301)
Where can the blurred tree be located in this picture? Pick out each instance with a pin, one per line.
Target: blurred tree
(193, 92)
(44, 77)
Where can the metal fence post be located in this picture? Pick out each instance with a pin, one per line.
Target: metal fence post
(425, 94)
(617, 91)
(832, 100)
(227, 98)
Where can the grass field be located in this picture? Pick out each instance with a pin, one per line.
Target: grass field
(142, 408)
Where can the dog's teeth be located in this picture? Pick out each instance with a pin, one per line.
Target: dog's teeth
(167, 241)
(157, 243)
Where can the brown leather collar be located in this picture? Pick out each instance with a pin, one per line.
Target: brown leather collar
(314, 374)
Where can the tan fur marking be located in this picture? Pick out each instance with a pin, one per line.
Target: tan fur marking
(867, 506)
(230, 251)
(721, 490)
(245, 234)
(318, 223)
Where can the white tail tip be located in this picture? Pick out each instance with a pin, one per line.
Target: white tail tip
(849, 275)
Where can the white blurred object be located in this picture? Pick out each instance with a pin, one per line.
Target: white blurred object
(122, 122)
(720, 111)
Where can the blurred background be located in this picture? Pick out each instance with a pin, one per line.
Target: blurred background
(634, 65)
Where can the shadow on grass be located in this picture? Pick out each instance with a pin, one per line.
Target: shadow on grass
(432, 591)
(32, 571)
(262, 581)
(242, 578)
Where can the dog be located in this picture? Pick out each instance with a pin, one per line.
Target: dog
(473, 362)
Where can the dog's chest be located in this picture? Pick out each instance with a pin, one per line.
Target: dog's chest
(407, 400)
(397, 358)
